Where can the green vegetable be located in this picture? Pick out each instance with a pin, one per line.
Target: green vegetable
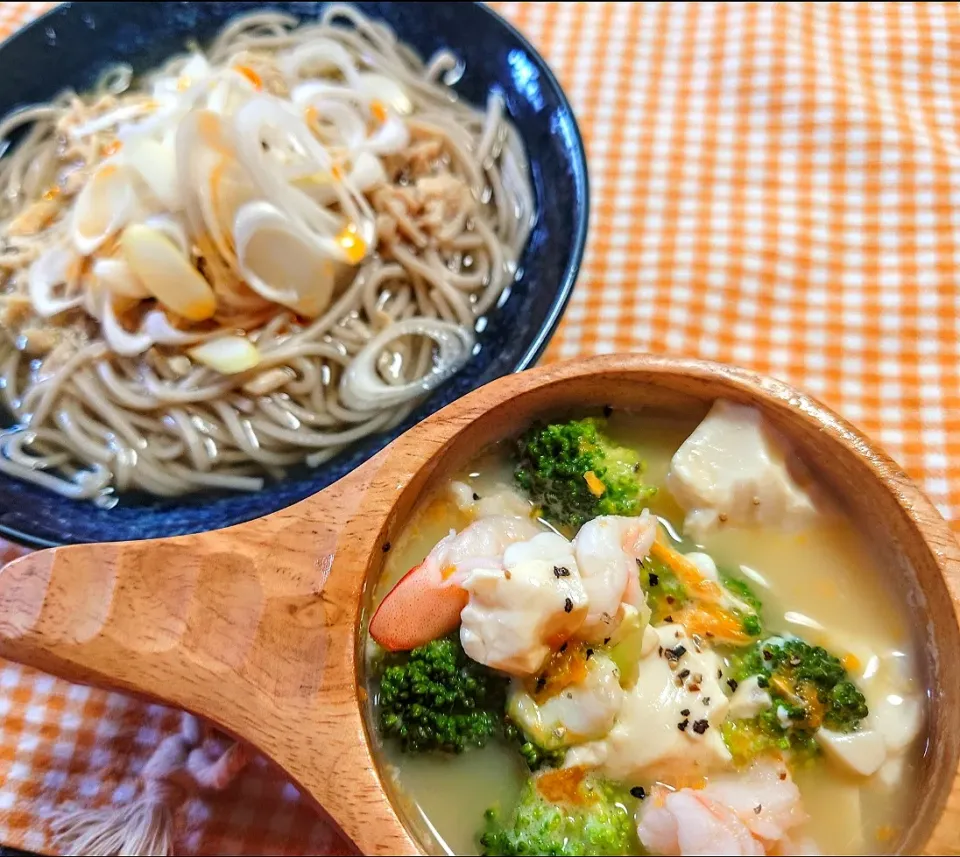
(741, 589)
(752, 624)
(594, 819)
(758, 736)
(436, 698)
(808, 683)
(574, 472)
(665, 593)
(533, 754)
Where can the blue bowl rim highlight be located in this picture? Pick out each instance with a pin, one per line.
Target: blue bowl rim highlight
(564, 288)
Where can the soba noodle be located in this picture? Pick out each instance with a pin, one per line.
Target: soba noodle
(247, 259)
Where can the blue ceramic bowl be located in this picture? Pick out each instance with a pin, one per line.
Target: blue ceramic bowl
(72, 44)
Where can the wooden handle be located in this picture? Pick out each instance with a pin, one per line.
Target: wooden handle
(246, 627)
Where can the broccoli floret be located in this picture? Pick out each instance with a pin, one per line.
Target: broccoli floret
(665, 593)
(563, 812)
(436, 698)
(811, 687)
(667, 596)
(752, 625)
(763, 734)
(574, 472)
(741, 589)
(533, 754)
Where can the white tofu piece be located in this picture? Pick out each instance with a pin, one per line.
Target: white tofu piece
(898, 719)
(748, 700)
(647, 742)
(517, 614)
(733, 470)
(862, 752)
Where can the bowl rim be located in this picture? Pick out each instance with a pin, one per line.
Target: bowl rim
(564, 288)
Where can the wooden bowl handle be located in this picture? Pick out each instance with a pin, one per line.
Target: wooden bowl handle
(246, 627)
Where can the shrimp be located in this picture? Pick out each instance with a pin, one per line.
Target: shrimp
(520, 612)
(753, 812)
(607, 550)
(426, 602)
(501, 500)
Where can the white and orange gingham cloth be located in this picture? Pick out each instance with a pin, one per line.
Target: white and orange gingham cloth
(772, 185)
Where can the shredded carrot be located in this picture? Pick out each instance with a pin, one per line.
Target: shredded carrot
(712, 621)
(448, 571)
(337, 172)
(352, 244)
(51, 193)
(311, 116)
(379, 111)
(684, 781)
(562, 670)
(563, 785)
(850, 662)
(596, 487)
(687, 573)
(250, 75)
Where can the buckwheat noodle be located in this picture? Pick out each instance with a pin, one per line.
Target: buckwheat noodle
(248, 258)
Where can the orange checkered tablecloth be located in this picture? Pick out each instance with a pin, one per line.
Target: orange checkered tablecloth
(773, 185)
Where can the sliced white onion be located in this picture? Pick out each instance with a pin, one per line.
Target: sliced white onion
(171, 227)
(157, 165)
(362, 389)
(249, 124)
(49, 270)
(382, 88)
(221, 199)
(367, 172)
(309, 92)
(319, 56)
(280, 262)
(106, 204)
(318, 223)
(120, 340)
(166, 274)
(351, 129)
(115, 276)
(228, 355)
(391, 137)
(110, 119)
(196, 69)
(157, 326)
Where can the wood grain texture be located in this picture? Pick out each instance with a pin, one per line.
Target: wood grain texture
(257, 627)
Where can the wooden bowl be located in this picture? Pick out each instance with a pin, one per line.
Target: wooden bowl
(258, 627)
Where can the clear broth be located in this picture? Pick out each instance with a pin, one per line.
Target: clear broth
(819, 584)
